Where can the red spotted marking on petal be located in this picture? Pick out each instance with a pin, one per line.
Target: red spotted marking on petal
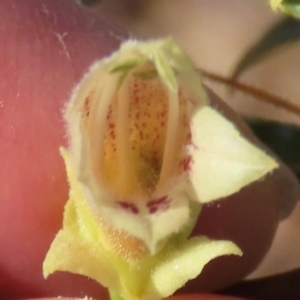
(185, 164)
(129, 206)
(161, 203)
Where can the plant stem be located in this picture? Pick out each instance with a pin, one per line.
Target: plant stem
(256, 93)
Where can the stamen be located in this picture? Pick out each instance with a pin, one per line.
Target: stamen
(97, 122)
(171, 136)
(257, 93)
(125, 176)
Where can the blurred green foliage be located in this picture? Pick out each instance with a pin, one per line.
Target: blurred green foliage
(281, 34)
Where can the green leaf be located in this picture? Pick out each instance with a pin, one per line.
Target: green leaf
(283, 33)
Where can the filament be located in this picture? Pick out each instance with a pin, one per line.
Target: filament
(97, 123)
(171, 137)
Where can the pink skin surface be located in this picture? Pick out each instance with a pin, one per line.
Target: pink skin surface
(45, 47)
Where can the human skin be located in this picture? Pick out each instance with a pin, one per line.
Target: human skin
(45, 48)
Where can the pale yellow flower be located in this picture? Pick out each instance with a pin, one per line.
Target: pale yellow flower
(275, 4)
(146, 151)
(287, 7)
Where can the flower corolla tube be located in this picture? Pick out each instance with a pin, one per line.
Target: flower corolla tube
(146, 152)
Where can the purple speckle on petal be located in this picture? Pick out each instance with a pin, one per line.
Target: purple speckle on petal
(129, 206)
(161, 203)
